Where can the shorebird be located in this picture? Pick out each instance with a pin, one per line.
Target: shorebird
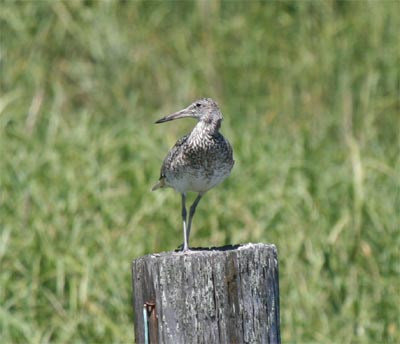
(199, 160)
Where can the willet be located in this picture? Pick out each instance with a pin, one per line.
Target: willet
(199, 160)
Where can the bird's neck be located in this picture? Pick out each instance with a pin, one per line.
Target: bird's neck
(207, 127)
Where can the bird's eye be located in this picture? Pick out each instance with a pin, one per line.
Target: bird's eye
(198, 105)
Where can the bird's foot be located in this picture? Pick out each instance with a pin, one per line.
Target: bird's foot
(182, 248)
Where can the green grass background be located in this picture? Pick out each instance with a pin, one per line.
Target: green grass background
(310, 95)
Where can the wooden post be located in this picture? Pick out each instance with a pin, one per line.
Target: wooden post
(221, 295)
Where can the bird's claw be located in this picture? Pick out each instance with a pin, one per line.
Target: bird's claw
(180, 248)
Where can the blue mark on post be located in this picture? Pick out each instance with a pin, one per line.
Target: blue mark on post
(146, 325)
(150, 323)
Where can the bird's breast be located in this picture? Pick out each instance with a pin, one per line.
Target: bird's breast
(199, 163)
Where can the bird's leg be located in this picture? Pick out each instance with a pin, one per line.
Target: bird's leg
(184, 216)
(191, 213)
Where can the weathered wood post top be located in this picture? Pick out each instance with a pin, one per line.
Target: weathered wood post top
(228, 294)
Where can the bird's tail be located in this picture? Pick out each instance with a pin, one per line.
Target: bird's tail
(160, 184)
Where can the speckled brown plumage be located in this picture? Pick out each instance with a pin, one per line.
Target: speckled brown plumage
(198, 161)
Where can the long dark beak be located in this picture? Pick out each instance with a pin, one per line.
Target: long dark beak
(176, 115)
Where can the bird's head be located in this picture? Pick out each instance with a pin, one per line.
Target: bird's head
(204, 109)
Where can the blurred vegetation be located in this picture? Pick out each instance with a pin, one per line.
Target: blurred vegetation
(310, 94)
